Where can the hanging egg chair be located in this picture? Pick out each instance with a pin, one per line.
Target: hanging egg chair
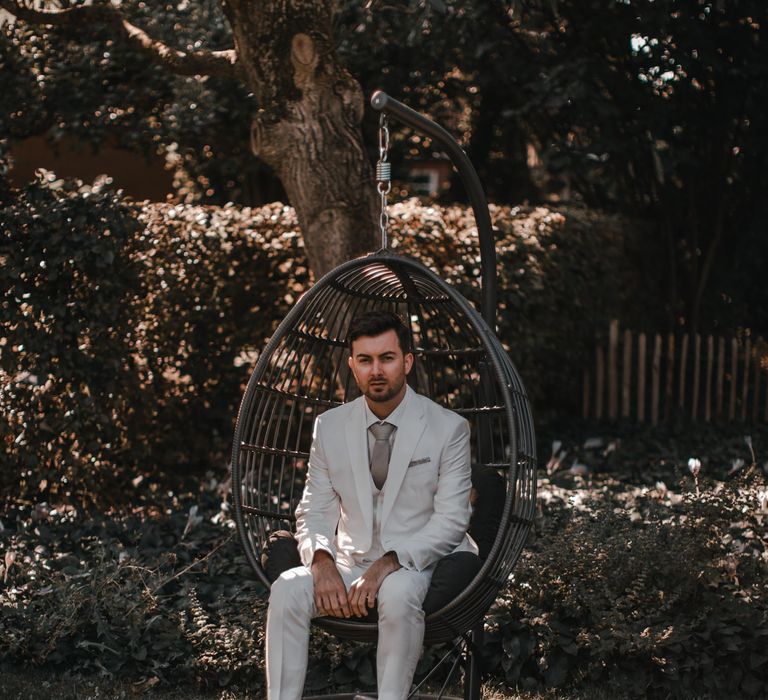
(459, 363)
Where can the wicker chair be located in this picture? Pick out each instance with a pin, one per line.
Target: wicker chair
(303, 371)
(459, 363)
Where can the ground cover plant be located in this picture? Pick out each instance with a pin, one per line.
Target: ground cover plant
(650, 587)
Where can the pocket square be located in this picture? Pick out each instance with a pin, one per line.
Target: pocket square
(416, 462)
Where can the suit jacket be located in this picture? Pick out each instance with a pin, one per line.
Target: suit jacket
(425, 509)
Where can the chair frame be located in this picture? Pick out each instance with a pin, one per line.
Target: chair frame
(461, 620)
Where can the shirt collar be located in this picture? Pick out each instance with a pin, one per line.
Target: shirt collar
(394, 418)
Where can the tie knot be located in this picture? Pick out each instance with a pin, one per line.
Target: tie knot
(382, 431)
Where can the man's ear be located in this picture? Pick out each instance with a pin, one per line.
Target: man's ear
(408, 360)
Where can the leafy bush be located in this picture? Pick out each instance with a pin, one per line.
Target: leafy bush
(129, 330)
(651, 591)
(562, 275)
(158, 594)
(641, 590)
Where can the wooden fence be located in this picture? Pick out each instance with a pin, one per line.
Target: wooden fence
(657, 378)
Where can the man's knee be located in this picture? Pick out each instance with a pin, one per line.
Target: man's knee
(402, 593)
(293, 589)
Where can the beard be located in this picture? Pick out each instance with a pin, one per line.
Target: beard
(383, 391)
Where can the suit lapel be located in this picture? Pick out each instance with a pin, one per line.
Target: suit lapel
(357, 445)
(407, 437)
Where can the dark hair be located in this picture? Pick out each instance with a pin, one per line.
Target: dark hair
(373, 323)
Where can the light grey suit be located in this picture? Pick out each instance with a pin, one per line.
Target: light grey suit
(422, 514)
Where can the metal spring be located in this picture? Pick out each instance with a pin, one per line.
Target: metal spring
(383, 171)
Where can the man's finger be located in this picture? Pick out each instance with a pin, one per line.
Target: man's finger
(336, 602)
(356, 604)
(343, 602)
(357, 601)
(352, 600)
(328, 603)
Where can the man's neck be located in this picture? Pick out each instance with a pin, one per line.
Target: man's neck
(382, 409)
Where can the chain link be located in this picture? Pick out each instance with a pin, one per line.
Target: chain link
(383, 177)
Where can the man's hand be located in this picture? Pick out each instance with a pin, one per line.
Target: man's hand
(330, 593)
(363, 591)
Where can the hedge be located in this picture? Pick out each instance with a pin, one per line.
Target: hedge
(129, 329)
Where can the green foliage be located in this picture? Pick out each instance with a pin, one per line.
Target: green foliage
(650, 109)
(70, 386)
(653, 591)
(562, 275)
(641, 590)
(140, 594)
(86, 85)
(128, 331)
(125, 332)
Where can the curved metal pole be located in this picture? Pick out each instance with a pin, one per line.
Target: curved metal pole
(382, 102)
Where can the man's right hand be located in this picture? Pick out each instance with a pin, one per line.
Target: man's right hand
(330, 593)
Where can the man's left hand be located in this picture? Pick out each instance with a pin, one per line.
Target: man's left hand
(363, 591)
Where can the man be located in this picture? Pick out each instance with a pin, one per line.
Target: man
(386, 497)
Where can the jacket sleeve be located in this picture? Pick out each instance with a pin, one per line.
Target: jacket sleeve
(317, 514)
(449, 521)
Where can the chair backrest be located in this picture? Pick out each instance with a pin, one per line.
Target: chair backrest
(303, 371)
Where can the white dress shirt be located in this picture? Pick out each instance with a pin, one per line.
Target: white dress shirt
(376, 551)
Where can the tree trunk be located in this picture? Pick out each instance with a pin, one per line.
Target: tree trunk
(307, 128)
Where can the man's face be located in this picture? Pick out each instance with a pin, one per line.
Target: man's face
(379, 366)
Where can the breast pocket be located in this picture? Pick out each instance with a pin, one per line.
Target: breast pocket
(421, 480)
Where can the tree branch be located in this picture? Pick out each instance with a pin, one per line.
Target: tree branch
(223, 63)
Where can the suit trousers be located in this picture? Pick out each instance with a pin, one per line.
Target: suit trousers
(401, 630)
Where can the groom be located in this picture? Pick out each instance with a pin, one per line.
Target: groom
(386, 497)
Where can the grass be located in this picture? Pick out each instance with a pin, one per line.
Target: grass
(36, 684)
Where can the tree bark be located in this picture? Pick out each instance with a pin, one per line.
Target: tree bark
(308, 126)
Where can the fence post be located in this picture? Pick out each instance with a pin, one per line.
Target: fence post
(655, 377)
(613, 390)
(641, 356)
(683, 363)
(765, 412)
(720, 375)
(696, 375)
(670, 377)
(734, 377)
(745, 381)
(708, 380)
(756, 383)
(599, 381)
(626, 383)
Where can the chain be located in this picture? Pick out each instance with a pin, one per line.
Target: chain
(383, 177)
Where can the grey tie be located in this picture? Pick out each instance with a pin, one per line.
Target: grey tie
(380, 452)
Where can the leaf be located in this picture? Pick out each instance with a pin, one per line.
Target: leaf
(512, 647)
(438, 5)
(556, 672)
